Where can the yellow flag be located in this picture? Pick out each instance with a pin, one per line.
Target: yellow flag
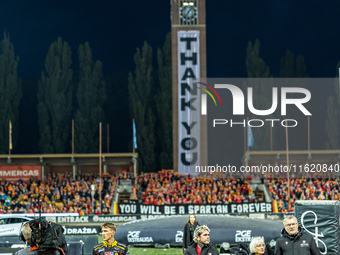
(10, 135)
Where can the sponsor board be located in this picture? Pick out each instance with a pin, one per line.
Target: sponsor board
(179, 236)
(23, 172)
(195, 209)
(244, 236)
(96, 219)
(134, 237)
(76, 230)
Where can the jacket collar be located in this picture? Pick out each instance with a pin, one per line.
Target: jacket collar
(106, 244)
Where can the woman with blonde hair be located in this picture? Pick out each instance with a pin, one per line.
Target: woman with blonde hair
(189, 229)
(257, 246)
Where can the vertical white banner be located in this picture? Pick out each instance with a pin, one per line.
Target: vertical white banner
(188, 101)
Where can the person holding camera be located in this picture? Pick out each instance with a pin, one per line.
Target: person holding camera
(26, 236)
(109, 245)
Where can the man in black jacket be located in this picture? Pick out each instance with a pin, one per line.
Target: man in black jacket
(293, 241)
(202, 244)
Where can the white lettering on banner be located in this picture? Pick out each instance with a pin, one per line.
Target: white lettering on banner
(113, 218)
(181, 210)
(188, 100)
(96, 218)
(133, 237)
(81, 231)
(149, 209)
(169, 209)
(316, 234)
(8, 173)
(262, 207)
(179, 237)
(82, 219)
(244, 236)
(127, 208)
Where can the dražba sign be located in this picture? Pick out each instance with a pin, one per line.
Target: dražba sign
(92, 230)
(195, 209)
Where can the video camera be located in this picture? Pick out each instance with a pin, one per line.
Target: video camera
(47, 235)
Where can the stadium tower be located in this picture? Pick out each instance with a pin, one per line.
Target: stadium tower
(188, 63)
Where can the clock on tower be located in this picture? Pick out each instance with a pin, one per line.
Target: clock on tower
(188, 12)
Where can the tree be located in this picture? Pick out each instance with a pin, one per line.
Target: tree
(164, 105)
(287, 65)
(262, 93)
(10, 94)
(91, 96)
(291, 67)
(332, 122)
(55, 99)
(141, 95)
(301, 69)
(256, 67)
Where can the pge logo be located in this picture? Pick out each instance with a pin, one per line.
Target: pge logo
(243, 236)
(179, 237)
(133, 234)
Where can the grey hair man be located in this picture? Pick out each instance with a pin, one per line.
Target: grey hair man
(293, 240)
(201, 245)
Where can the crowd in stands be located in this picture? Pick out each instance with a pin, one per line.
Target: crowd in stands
(166, 187)
(301, 189)
(60, 193)
(63, 193)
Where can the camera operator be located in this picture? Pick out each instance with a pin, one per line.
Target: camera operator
(26, 235)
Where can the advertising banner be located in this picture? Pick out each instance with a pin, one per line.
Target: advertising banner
(23, 172)
(188, 100)
(321, 220)
(229, 229)
(177, 209)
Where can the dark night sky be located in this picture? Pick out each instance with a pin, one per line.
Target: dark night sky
(115, 29)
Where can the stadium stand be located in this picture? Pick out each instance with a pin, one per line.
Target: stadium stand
(62, 193)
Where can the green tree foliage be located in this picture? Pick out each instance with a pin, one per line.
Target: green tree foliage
(141, 95)
(256, 67)
(332, 122)
(91, 96)
(163, 101)
(287, 65)
(301, 69)
(55, 99)
(291, 67)
(262, 93)
(10, 94)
